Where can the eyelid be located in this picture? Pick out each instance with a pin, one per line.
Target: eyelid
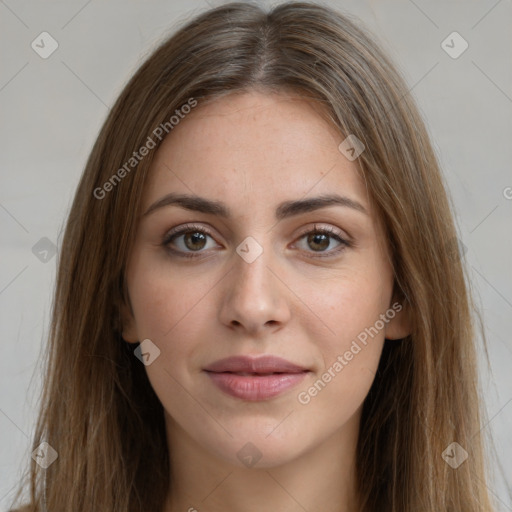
(304, 231)
(335, 232)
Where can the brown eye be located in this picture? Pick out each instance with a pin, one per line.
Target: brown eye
(187, 241)
(318, 241)
(194, 240)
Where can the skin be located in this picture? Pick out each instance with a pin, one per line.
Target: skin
(253, 151)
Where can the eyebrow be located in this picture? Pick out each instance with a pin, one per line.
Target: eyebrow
(284, 210)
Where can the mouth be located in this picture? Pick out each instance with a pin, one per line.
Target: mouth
(255, 379)
(266, 364)
(254, 374)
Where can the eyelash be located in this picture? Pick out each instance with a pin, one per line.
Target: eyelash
(190, 228)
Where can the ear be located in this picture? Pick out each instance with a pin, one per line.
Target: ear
(399, 325)
(128, 326)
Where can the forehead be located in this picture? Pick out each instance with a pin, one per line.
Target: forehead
(252, 149)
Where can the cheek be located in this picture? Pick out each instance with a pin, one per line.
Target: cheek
(343, 306)
(168, 300)
(348, 335)
(168, 305)
(350, 356)
(332, 403)
(174, 308)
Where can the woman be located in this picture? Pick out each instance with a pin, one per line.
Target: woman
(260, 301)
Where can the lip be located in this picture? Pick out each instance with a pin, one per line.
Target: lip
(255, 378)
(260, 364)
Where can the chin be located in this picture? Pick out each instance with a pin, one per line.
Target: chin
(257, 454)
(255, 446)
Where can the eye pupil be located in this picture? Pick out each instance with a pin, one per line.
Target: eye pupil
(195, 236)
(319, 239)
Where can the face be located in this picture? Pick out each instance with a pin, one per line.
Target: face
(259, 266)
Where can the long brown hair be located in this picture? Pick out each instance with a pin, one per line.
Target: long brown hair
(98, 409)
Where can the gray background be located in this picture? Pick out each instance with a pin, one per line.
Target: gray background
(52, 109)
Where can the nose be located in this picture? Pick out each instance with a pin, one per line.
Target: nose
(254, 297)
